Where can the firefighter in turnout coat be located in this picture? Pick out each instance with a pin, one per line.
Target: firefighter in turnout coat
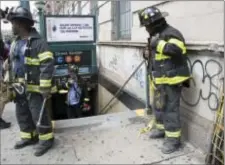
(169, 72)
(32, 67)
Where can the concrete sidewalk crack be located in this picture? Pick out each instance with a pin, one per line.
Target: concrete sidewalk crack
(75, 152)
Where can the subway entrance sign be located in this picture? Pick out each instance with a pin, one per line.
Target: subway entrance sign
(72, 39)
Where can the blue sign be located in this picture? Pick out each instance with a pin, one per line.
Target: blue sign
(60, 60)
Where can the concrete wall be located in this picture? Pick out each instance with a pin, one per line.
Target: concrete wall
(104, 96)
(201, 23)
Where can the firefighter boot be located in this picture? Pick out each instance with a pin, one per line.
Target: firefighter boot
(43, 147)
(156, 134)
(3, 124)
(26, 142)
(171, 145)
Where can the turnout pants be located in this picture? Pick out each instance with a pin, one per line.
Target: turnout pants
(27, 113)
(166, 109)
(5, 95)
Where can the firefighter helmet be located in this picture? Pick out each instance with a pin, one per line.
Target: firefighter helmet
(150, 15)
(20, 13)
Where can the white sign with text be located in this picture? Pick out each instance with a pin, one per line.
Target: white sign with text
(69, 29)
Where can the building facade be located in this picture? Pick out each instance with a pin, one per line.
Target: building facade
(121, 41)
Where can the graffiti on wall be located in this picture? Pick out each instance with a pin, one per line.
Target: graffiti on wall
(113, 62)
(206, 78)
(139, 76)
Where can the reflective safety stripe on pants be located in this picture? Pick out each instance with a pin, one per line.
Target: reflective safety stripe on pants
(175, 134)
(159, 126)
(27, 135)
(47, 136)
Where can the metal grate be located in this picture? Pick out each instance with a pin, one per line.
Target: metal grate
(216, 153)
(125, 20)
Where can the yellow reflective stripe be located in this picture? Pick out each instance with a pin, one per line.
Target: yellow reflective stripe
(160, 56)
(159, 126)
(86, 99)
(173, 134)
(45, 83)
(160, 46)
(170, 80)
(34, 133)
(33, 88)
(21, 80)
(45, 55)
(179, 43)
(67, 85)
(46, 136)
(54, 89)
(32, 61)
(25, 135)
(63, 91)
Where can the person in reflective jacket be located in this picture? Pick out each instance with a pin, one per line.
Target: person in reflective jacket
(169, 72)
(32, 67)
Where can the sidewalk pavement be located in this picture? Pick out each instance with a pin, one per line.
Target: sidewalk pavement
(105, 139)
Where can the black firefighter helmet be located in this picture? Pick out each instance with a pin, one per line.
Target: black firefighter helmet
(150, 15)
(20, 13)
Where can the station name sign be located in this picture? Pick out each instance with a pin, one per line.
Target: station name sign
(69, 29)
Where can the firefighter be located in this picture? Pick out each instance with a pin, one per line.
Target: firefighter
(169, 72)
(4, 94)
(33, 66)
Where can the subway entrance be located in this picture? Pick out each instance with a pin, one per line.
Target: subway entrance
(72, 39)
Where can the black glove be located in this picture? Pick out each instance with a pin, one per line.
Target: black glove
(146, 53)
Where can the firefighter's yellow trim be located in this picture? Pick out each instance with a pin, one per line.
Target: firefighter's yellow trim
(160, 56)
(21, 80)
(159, 126)
(36, 88)
(46, 83)
(54, 89)
(160, 46)
(46, 136)
(86, 99)
(45, 55)
(34, 133)
(178, 43)
(32, 61)
(173, 134)
(67, 85)
(170, 80)
(33, 88)
(63, 91)
(25, 135)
